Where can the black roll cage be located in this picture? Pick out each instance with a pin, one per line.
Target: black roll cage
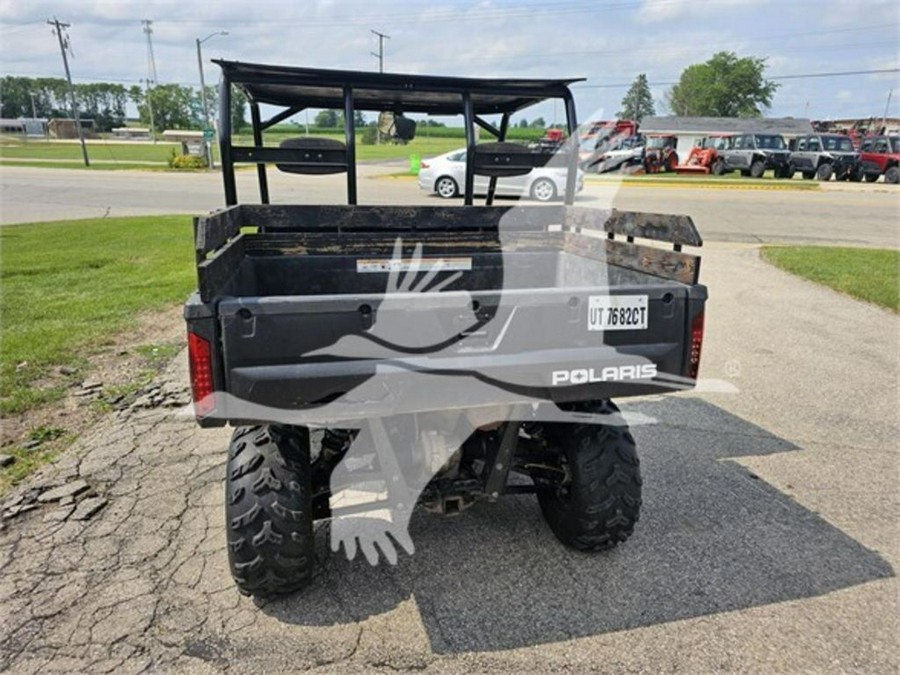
(296, 89)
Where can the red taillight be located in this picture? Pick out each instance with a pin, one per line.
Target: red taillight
(696, 345)
(424, 165)
(200, 360)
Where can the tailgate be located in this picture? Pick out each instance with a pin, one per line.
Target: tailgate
(558, 344)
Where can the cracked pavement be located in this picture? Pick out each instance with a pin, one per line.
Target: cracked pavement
(766, 543)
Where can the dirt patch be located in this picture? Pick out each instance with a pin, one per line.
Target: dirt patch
(117, 374)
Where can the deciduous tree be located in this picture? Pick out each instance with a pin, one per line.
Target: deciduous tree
(724, 86)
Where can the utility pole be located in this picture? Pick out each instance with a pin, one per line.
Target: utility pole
(63, 46)
(151, 74)
(380, 54)
(206, 144)
(887, 107)
(380, 57)
(33, 108)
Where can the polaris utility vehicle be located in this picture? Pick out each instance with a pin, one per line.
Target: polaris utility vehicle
(752, 154)
(373, 358)
(822, 156)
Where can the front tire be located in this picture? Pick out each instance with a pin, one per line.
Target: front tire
(871, 177)
(543, 190)
(824, 172)
(718, 168)
(757, 169)
(892, 175)
(446, 187)
(598, 503)
(268, 509)
(671, 162)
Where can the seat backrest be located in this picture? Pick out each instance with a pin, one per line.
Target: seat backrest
(503, 159)
(317, 156)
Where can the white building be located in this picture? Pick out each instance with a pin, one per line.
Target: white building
(689, 130)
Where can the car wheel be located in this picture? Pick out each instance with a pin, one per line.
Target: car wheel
(446, 187)
(757, 169)
(871, 177)
(718, 168)
(855, 175)
(809, 175)
(892, 175)
(824, 172)
(543, 190)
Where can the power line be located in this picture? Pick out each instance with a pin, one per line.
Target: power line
(836, 74)
(64, 45)
(800, 76)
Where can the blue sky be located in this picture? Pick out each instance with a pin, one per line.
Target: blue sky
(606, 41)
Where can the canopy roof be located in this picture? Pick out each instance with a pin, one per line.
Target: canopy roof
(438, 95)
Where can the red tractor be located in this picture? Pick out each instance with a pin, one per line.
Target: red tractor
(702, 157)
(659, 154)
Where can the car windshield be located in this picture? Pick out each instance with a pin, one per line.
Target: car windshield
(653, 143)
(837, 143)
(769, 142)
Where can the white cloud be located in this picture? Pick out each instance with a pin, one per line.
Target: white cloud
(656, 11)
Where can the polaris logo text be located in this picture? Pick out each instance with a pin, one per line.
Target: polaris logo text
(645, 371)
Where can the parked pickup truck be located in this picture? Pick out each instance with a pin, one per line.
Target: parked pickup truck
(376, 357)
(880, 156)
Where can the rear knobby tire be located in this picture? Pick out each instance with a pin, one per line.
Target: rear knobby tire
(268, 508)
(598, 504)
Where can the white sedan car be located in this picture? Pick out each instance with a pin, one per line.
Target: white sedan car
(446, 176)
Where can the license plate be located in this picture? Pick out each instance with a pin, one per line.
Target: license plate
(618, 312)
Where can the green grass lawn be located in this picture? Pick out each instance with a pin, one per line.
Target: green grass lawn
(110, 155)
(68, 287)
(872, 275)
(100, 150)
(95, 166)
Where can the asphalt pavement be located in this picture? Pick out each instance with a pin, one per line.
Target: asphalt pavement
(850, 214)
(769, 539)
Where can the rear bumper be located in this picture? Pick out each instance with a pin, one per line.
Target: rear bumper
(344, 390)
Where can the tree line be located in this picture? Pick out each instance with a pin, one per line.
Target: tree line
(171, 106)
(724, 86)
